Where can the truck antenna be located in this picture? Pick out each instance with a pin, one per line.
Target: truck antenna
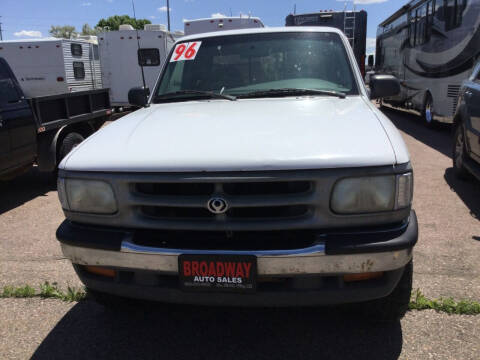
(168, 14)
(138, 45)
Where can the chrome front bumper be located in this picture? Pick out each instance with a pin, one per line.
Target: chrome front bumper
(311, 260)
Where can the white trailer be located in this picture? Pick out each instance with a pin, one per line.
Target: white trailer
(53, 66)
(123, 58)
(224, 23)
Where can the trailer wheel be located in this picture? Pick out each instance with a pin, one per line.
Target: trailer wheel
(427, 113)
(69, 142)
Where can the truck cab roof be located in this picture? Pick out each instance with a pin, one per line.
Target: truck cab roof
(260, 31)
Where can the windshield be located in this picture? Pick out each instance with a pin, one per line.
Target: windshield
(254, 63)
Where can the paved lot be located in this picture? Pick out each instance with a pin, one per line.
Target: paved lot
(446, 264)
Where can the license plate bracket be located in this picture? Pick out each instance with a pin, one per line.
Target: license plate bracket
(218, 273)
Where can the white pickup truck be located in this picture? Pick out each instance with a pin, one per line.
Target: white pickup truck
(258, 172)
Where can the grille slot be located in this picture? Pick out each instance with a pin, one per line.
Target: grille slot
(166, 212)
(175, 189)
(222, 240)
(267, 188)
(268, 212)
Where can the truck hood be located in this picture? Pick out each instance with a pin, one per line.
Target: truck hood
(248, 134)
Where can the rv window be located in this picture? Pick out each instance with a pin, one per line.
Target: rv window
(453, 12)
(430, 14)
(412, 29)
(94, 53)
(421, 27)
(78, 70)
(76, 49)
(148, 57)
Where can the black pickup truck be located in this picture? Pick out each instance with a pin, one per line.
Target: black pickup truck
(43, 130)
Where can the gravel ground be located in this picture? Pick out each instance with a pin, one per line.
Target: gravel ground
(446, 264)
(51, 329)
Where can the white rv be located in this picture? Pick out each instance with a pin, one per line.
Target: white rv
(53, 66)
(126, 51)
(223, 23)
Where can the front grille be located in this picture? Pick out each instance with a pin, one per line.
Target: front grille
(247, 200)
(262, 201)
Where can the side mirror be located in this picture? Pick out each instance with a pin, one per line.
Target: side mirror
(370, 60)
(382, 86)
(138, 96)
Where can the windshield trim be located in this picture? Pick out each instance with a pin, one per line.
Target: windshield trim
(360, 87)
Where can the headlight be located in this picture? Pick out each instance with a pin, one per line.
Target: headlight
(372, 194)
(86, 196)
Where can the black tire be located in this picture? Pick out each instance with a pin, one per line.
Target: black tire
(459, 153)
(69, 142)
(394, 306)
(427, 112)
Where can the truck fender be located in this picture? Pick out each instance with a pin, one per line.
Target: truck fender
(48, 144)
(47, 150)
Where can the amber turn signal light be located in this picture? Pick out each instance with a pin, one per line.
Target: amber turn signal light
(97, 270)
(362, 276)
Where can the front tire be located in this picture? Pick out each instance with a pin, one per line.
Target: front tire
(394, 306)
(69, 142)
(459, 153)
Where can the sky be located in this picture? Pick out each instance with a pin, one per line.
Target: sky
(23, 19)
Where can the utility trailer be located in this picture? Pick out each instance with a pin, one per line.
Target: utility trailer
(224, 23)
(42, 130)
(126, 51)
(53, 66)
(353, 23)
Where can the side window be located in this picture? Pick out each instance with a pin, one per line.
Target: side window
(94, 53)
(430, 15)
(8, 90)
(421, 25)
(76, 49)
(453, 12)
(413, 26)
(148, 57)
(78, 70)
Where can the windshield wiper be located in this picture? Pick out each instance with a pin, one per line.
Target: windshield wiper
(210, 94)
(293, 91)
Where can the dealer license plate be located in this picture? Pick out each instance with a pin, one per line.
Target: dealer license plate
(220, 273)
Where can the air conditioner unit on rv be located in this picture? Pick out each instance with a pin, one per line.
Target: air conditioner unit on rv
(125, 27)
(154, 27)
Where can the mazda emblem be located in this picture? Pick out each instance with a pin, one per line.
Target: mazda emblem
(217, 205)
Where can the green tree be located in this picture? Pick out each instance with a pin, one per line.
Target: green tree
(87, 30)
(65, 32)
(113, 22)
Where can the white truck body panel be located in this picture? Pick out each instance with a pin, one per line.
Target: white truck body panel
(222, 135)
(288, 133)
(39, 64)
(120, 64)
(217, 24)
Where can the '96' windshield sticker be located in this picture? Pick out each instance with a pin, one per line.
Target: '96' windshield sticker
(185, 51)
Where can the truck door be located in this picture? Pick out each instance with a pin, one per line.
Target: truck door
(18, 124)
(472, 100)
